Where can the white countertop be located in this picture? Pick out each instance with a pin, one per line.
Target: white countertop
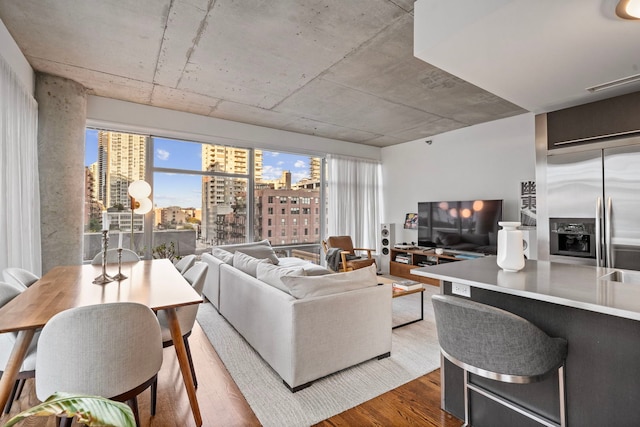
(578, 286)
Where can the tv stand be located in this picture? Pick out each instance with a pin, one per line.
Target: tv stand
(419, 258)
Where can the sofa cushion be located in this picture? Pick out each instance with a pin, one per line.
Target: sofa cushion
(310, 269)
(222, 255)
(313, 286)
(247, 264)
(272, 274)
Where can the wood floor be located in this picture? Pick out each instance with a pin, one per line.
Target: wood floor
(416, 403)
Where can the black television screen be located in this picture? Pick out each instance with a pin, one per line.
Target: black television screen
(460, 225)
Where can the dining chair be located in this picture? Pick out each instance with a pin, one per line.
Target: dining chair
(19, 277)
(185, 263)
(7, 341)
(119, 355)
(186, 317)
(112, 256)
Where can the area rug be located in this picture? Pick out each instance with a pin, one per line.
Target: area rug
(414, 352)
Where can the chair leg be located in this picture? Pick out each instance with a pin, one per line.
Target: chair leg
(467, 402)
(154, 396)
(133, 404)
(193, 370)
(12, 396)
(20, 387)
(563, 397)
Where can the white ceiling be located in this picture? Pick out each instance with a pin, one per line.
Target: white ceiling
(339, 69)
(538, 54)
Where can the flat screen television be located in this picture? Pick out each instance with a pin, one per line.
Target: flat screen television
(469, 226)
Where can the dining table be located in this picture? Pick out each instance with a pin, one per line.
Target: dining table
(154, 283)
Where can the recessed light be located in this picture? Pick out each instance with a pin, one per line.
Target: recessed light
(628, 9)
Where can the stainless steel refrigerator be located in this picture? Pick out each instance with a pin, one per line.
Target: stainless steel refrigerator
(594, 204)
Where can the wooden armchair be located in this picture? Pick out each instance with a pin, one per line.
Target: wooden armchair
(348, 258)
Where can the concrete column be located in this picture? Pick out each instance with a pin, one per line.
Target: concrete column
(62, 113)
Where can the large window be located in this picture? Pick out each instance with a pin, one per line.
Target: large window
(201, 195)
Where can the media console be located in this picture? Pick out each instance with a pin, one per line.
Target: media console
(404, 260)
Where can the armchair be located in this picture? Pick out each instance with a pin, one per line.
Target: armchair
(348, 260)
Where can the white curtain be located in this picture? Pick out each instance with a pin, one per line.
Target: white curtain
(19, 187)
(354, 200)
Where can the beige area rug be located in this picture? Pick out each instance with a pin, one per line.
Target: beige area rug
(414, 352)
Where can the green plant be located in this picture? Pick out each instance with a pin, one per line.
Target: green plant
(88, 410)
(165, 251)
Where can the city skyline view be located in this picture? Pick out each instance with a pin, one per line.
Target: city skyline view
(184, 189)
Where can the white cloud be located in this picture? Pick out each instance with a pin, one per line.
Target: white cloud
(280, 163)
(270, 172)
(162, 154)
(300, 164)
(297, 176)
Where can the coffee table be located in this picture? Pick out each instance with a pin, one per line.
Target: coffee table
(401, 293)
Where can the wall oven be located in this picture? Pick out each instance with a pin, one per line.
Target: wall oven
(575, 237)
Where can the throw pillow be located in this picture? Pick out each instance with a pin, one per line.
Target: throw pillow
(271, 274)
(222, 255)
(247, 264)
(260, 252)
(305, 286)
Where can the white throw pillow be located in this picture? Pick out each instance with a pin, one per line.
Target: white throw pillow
(271, 274)
(247, 264)
(260, 252)
(313, 286)
(222, 255)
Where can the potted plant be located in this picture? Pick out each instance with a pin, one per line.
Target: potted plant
(88, 410)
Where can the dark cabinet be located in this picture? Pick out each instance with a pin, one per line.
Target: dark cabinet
(583, 124)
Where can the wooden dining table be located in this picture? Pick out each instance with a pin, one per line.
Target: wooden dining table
(154, 283)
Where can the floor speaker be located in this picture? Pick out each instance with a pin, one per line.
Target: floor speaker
(530, 241)
(387, 240)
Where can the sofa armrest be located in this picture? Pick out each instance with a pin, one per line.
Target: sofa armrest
(334, 332)
(211, 288)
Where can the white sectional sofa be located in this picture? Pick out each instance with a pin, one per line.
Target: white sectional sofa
(304, 326)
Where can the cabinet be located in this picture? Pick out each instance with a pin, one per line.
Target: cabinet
(417, 258)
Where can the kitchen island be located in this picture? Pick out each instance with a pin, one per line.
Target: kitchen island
(596, 309)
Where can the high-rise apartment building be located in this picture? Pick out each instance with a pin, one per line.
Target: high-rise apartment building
(224, 197)
(121, 160)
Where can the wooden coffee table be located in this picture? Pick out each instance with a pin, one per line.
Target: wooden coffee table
(400, 293)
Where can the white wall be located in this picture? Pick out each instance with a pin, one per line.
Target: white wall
(485, 161)
(126, 116)
(13, 56)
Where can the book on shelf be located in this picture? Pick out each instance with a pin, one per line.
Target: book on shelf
(407, 285)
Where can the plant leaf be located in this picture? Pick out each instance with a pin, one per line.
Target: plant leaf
(93, 411)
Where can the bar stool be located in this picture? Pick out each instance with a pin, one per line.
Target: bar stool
(496, 344)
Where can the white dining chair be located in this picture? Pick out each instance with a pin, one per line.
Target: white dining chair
(185, 263)
(7, 341)
(19, 277)
(119, 355)
(112, 256)
(186, 317)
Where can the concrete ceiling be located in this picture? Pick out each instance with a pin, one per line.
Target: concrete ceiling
(539, 54)
(341, 69)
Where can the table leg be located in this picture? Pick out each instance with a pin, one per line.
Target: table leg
(183, 361)
(13, 364)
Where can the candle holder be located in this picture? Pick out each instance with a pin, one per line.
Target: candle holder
(119, 276)
(104, 277)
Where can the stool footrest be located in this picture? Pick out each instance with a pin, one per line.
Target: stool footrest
(513, 406)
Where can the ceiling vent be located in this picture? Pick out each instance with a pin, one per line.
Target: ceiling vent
(614, 83)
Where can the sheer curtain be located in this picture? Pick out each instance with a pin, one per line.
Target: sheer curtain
(19, 187)
(354, 201)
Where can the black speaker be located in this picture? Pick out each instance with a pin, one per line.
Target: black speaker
(387, 240)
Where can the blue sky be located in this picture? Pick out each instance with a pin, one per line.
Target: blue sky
(185, 190)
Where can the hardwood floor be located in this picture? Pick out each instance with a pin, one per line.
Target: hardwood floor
(416, 403)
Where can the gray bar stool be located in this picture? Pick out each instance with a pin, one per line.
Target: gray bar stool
(496, 344)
